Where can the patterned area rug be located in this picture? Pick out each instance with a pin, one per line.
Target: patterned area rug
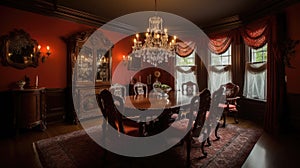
(77, 149)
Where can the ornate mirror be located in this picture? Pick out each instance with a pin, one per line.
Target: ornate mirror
(19, 50)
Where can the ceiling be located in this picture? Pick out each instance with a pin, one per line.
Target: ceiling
(200, 12)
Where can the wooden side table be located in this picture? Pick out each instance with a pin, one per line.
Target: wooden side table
(29, 108)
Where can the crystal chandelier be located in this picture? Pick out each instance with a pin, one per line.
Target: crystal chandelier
(156, 48)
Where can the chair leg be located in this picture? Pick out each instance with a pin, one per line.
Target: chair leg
(224, 119)
(235, 117)
(216, 131)
(202, 149)
(188, 150)
(208, 141)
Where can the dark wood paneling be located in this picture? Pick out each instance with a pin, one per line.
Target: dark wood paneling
(293, 109)
(253, 110)
(55, 105)
(6, 113)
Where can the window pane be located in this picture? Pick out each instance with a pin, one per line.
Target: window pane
(258, 55)
(221, 59)
(215, 60)
(183, 61)
(225, 60)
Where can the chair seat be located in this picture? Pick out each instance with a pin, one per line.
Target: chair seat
(174, 116)
(230, 106)
(180, 125)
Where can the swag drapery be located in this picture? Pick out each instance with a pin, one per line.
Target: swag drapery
(185, 49)
(256, 35)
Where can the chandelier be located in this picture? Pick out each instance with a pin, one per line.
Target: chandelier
(157, 48)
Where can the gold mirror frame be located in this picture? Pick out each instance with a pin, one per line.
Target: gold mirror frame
(19, 50)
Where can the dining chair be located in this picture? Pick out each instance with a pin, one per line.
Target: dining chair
(118, 90)
(214, 114)
(112, 108)
(189, 88)
(230, 105)
(199, 105)
(140, 88)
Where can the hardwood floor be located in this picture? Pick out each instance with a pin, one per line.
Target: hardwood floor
(274, 152)
(268, 151)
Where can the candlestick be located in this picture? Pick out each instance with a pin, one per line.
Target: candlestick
(36, 81)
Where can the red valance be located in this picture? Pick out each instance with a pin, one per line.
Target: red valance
(218, 44)
(185, 49)
(256, 35)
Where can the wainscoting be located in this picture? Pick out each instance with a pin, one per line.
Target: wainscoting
(6, 113)
(294, 111)
(55, 105)
(253, 110)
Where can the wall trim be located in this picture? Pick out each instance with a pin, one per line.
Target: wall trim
(50, 8)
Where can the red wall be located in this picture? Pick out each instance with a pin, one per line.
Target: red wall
(293, 25)
(47, 31)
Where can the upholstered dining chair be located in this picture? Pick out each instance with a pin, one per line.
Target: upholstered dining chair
(230, 106)
(140, 88)
(214, 114)
(118, 90)
(198, 107)
(189, 88)
(112, 108)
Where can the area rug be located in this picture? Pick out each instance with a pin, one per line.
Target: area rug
(77, 149)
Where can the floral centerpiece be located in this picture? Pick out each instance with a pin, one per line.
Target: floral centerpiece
(166, 88)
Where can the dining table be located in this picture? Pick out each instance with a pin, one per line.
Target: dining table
(153, 111)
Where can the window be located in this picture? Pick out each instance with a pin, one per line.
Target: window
(185, 70)
(255, 85)
(221, 59)
(219, 69)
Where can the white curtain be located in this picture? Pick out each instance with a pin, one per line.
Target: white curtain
(184, 74)
(218, 75)
(255, 85)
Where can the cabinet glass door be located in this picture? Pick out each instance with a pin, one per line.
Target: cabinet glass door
(103, 66)
(85, 65)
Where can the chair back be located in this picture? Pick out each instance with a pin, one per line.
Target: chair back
(118, 90)
(111, 106)
(140, 89)
(204, 105)
(189, 88)
(231, 90)
(218, 97)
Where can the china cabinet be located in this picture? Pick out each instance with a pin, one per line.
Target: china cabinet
(89, 72)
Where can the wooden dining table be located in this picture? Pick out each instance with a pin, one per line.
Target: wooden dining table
(155, 108)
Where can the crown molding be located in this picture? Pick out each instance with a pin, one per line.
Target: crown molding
(266, 8)
(50, 8)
